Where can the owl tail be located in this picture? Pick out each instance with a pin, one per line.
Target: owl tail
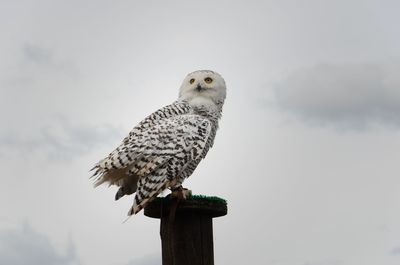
(146, 192)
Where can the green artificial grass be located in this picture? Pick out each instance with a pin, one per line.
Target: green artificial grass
(197, 197)
(211, 206)
(207, 198)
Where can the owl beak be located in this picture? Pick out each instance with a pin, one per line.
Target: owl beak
(199, 88)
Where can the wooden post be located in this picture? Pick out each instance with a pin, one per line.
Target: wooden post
(187, 236)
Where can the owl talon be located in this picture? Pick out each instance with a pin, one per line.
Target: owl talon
(181, 193)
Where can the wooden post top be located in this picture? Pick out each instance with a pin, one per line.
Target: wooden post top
(206, 205)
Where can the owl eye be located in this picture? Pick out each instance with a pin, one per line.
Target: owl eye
(191, 81)
(208, 80)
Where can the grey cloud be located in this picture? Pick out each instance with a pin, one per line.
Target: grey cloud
(34, 93)
(24, 245)
(154, 259)
(395, 251)
(59, 140)
(350, 95)
(37, 54)
(324, 262)
(35, 65)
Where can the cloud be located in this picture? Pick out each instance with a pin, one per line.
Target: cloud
(154, 259)
(351, 95)
(38, 94)
(35, 66)
(37, 54)
(60, 139)
(395, 251)
(38, 59)
(24, 245)
(324, 262)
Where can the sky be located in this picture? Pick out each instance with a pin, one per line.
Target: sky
(306, 154)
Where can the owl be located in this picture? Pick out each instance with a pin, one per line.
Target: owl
(165, 148)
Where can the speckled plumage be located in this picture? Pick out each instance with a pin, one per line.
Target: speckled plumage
(166, 147)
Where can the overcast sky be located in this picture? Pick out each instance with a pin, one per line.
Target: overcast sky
(307, 154)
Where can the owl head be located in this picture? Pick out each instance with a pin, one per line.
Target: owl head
(203, 87)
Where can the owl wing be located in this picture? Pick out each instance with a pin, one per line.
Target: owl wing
(155, 152)
(172, 144)
(119, 162)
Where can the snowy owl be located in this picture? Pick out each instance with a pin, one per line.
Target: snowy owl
(166, 147)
